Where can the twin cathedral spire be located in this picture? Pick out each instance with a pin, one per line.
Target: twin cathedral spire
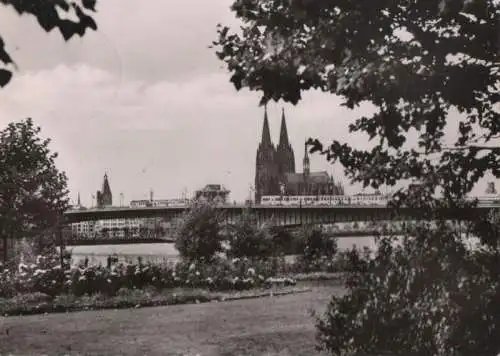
(273, 163)
(275, 169)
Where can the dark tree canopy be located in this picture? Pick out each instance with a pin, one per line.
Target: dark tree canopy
(33, 192)
(248, 239)
(47, 16)
(199, 234)
(416, 61)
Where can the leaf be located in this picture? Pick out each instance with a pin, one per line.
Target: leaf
(4, 56)
(5, 77)
(47, 18)
(68, 29)
(88, 22)
(89, 4)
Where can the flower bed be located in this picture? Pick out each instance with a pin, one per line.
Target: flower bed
(45, 286)
(47, 277)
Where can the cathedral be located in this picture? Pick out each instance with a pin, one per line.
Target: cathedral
(104, 196)
(275, 169)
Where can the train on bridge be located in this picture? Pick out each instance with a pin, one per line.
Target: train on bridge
(361, 200)
(326, 200)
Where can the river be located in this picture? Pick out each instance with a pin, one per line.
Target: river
(160, 252)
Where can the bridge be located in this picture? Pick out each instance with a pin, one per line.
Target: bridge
(278, 215)
(281, 217)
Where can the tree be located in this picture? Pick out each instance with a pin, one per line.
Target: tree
(33, 191)
(429, 68)
(47, 16)
(316, 244)
(433, 297)
(199, 233)
(415, 61)
(247, 239)
(284, 242)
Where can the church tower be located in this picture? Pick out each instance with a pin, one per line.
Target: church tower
(284, 153)
(266, 182)
(104, 196)
(305, 162)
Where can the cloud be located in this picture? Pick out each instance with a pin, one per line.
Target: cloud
(156, 41)
(165, 135)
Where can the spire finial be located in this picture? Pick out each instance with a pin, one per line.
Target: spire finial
(266, 135)
(305, 161)
(283, 131)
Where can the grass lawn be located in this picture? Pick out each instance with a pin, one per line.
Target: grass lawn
(268, 326)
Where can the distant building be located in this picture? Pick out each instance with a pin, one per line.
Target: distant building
(275, 169)
(309, 183)
(83, 228)
(119, 228)
(104, 196)
(213, 193)
(78, 205)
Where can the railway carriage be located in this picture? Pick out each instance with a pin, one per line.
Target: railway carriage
(325, 200)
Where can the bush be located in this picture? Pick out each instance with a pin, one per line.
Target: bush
(317, 244)
(285, 242)
(7, 283)
(247, 239)
(318, 251)
(427, 295)
(199, 233)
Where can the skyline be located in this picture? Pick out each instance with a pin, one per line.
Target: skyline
(144, 99)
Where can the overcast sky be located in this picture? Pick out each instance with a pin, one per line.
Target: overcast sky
(144, 99)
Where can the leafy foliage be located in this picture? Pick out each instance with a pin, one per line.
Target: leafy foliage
(426, 294)
(417, 62)
(247, 239)
(199, 234)
(34, 191)
(317, 244)
(318, 251)
(50, 15)
(285, 242)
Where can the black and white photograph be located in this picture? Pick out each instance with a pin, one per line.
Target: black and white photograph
(250, 177)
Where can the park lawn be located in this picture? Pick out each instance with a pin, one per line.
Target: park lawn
(267, 326)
